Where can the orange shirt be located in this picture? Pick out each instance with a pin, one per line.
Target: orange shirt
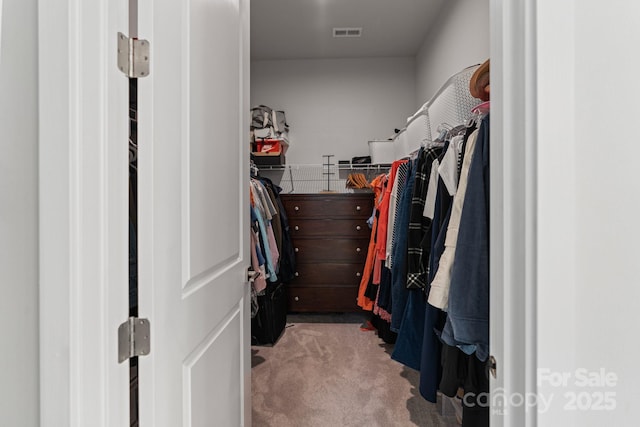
(365, 303)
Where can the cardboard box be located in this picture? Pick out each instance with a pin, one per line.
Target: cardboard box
(268, 159)
(268, 146)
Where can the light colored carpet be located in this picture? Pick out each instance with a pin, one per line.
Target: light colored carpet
(334, 375)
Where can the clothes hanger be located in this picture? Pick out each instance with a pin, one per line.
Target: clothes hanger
(482, 108)
(444, 131)
(254, 171)
(478, 112)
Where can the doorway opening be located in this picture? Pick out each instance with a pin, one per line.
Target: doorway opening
(332, 111)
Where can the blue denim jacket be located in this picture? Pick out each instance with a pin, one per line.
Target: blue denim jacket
(468, 313)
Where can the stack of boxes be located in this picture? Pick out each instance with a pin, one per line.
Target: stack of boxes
(269, 136)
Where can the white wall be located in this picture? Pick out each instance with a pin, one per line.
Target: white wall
(19, 390)
(458, 39)
(588, 206)
(334, 106)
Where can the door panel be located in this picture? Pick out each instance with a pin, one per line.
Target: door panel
(193, 195)
(205, 399)
(210, 48)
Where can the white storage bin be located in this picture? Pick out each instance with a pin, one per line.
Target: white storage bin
(381, 151)
(401, 145)
(418, 130)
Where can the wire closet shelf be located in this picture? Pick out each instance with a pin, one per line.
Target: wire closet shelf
(451, 105)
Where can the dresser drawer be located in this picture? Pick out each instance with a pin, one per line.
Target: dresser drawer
(330, 237)
(325, 299)
(328, 206)
(310, 250)
(327, 274)
(356, 228)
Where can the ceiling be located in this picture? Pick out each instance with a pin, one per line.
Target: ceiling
(302, 29)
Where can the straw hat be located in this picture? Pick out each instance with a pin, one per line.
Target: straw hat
(479, 84)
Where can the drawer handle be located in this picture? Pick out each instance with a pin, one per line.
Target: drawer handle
(297, 274)
(297, 208)
(296, 249)
(296, 299)
(296, 228)
(358, 249)
(358, 208)
(358, 228)
(358, 274)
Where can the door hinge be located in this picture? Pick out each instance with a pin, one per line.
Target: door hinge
(134, 339)
(133, 56)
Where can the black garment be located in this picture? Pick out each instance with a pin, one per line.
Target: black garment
(460, 370)
(434, 319)
(399, 291)
(443, 202)
(372, 289)
(384, 296)
(276, 224)
(288, 254)
(454, 370)
(419, 225)
(384, 329)
(475, 404)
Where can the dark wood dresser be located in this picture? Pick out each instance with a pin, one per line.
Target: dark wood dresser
(331, 237)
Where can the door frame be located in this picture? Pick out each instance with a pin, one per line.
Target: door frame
(513, 249)
(83, 205)
(80, 309)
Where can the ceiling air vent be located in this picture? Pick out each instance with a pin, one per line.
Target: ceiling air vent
(347, 32)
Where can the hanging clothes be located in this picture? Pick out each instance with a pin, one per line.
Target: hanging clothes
(468, 314)
(264, 244)
(448, 168)
(408, 349)
(399, 291)
(257, 262)
(427, 265)
(366, 302)
(287, 267)
(383, 226)
(382, 305)
(433, 318)
(419, 225)
(262, 212)
(439, 292)
(438, 207)
(396, 195)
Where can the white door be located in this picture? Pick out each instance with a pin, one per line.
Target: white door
(193, 213)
